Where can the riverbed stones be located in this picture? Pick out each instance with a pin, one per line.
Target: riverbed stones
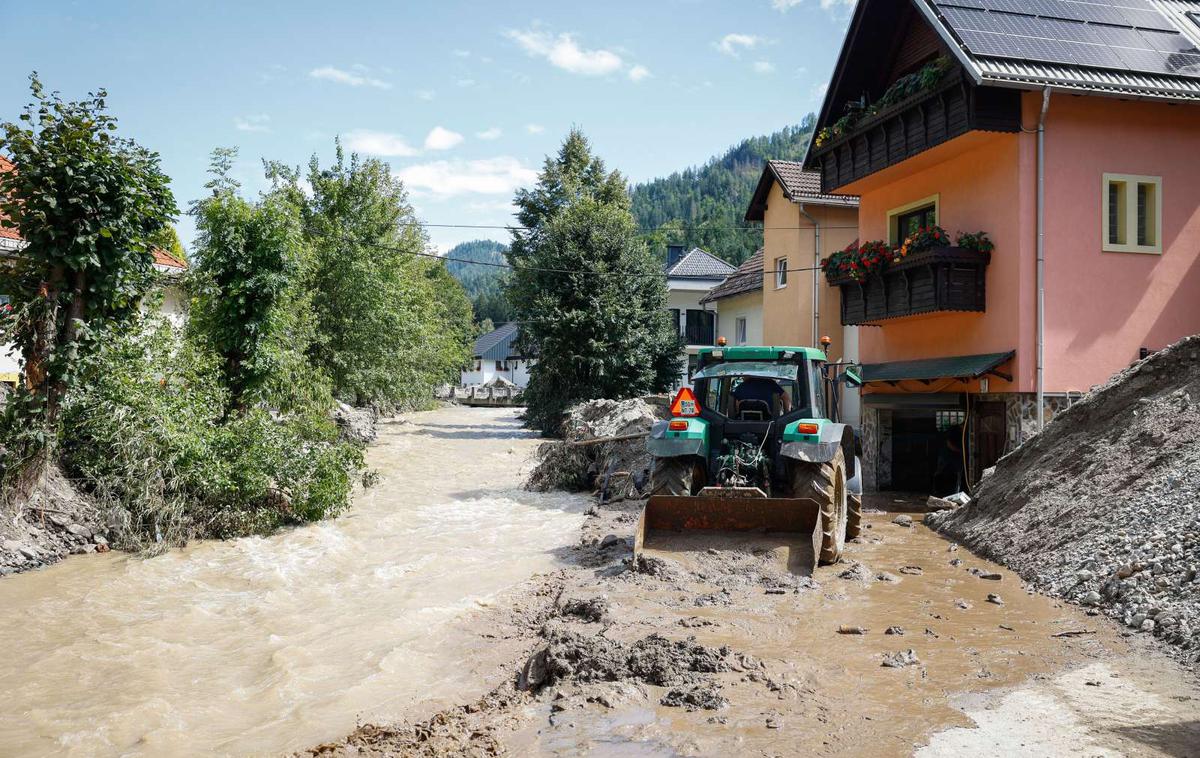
(900, 659)
(903, 520)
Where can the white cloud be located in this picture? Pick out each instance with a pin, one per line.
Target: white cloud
(360, 79)
(819, 90)
(425, 94)
(638, 73)
(465, 82)
(462, 53)
(734, 44)
(490, 134)
(256, 123)
(764, 67)
(563, 52)
(535, 128)
(379, 143)
(490, 176)
(441, 138)
(829, 5)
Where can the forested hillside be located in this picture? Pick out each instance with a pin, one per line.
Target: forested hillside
(700, 206)
(483, 283)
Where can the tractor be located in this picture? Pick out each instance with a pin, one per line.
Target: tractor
(755, 445)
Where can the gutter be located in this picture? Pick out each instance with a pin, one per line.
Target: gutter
(1041, 261)
(816, 324)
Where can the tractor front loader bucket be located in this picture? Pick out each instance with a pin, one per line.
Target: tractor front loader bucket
(732, 517)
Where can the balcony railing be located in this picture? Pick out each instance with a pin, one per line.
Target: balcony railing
(938, 279)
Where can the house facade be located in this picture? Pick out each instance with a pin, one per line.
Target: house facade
(1068, 134)
(738, 302)
(691, 274)
(495, 356)
(801, 225)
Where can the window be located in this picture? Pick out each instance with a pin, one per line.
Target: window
(781, 272)
(1132, 214)
(739, 329)
(500, 366)
(479, 364)
(907, 219)
(947, 420)
(700, 328)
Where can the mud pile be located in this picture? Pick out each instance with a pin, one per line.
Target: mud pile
(1103, 507)
(56, 521)
(355, 424)
(618, 469)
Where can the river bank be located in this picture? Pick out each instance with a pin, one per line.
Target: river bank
(705, 652)
(262, 645)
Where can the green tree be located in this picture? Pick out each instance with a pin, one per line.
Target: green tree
(248, 257)
(168, 239)
(390, 322)
(600, 330)
(88, 203)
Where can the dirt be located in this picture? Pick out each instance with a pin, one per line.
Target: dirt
(1103, 507)
(703, 649)
(55, 522)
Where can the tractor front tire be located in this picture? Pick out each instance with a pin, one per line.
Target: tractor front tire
(680, 476)
(826, 484)
(854, 516)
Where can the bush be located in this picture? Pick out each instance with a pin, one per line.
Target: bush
(147, 435)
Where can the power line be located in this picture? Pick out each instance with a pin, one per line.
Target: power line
(723, 227)
(547, 270)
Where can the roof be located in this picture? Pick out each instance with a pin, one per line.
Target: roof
(163, 258)
(5, 232)
(953, 367)
(1139, 48)
(497, 345)
(798, 185)
(699, 264)
(747, 278)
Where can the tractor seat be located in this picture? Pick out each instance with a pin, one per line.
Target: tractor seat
(754, 410)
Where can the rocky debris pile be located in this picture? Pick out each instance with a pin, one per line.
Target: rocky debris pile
(618, 469)
(55, 522)
(1103, 507)
(568, 655)
(355, 424)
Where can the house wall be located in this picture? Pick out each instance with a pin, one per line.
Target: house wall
(730, 309)
(1101, 307)
(788, 311)
(978, 188)
(685, 295)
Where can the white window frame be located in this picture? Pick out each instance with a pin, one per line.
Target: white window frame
(1131, 181)
(781, 272)
(739, 330)
(893, 215)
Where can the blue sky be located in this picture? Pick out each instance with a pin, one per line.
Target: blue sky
(463, 99)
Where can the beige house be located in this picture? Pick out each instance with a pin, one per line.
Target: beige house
(801, 225)
(738, 302)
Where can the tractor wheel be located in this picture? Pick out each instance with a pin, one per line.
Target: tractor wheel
(826, 483)
(680, 476)
(854, 516)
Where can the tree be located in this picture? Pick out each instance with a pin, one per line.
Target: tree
(168, 239)
(248, 257)
(88, 204)
(391, 323)
(590, 296)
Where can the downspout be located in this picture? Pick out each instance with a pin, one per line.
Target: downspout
(816, 297)
(1041, 261)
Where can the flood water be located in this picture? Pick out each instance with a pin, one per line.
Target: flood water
(263, 645)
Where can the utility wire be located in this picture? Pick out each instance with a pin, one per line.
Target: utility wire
(724, 227)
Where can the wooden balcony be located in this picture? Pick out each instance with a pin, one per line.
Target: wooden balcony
(929, 281)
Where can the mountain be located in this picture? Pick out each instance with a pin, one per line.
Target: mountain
(467, 262)
(703, 205)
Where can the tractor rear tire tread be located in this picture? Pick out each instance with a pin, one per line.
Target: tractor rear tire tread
(820, 481)
(673, 476)
(854, 514)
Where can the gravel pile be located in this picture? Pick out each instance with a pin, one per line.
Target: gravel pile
(619, 470)
(56, 521)
(1103, 507)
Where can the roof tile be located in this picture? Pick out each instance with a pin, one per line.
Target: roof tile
(747, 278)
(700, 264)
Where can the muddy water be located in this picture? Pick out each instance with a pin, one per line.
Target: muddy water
(261, 645)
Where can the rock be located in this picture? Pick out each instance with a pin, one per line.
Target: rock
(938, 504)
(706, 696)
(610, 540)
(355, 424)
(79, 530)
(958, 499)
(900, 659)
(990, 575)
(884, 576)
(896, 630)
(903, 520)
(775, 591)
(1148, 625)
(593, 609)
(962, 604)
(99, 539)
(845, 629)
(855, 572)
(1091, 598)
(773, 723)
(912, 570)
(995, 599)
(956, 561)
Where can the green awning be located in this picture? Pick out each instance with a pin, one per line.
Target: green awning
(953, 367)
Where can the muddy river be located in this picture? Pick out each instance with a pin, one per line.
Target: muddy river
(261, 645)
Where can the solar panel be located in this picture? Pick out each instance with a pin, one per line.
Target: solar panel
(1122, 35)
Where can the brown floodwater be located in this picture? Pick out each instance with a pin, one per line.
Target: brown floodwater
(269, 644)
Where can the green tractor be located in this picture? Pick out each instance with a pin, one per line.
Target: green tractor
(756, 446)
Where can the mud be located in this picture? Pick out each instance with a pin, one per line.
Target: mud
(699, 653)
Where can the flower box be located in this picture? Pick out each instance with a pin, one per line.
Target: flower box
(931, 280)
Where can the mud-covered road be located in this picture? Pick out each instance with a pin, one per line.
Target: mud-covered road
(911, 646)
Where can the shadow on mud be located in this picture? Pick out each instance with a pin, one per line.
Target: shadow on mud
(1178, 739)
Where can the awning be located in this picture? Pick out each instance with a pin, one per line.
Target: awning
(953, 367)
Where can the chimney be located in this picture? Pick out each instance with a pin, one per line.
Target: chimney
(674, 254)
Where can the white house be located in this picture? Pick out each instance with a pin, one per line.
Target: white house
(739, 303)
(495, 356)
(690, 276)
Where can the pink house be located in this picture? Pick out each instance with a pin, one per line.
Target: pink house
(1068, 132)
